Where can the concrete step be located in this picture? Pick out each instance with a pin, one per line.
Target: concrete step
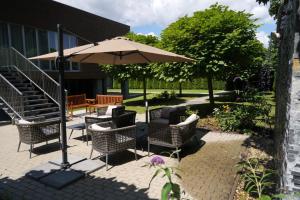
(40, 110)
(35, 101)
(44, 105)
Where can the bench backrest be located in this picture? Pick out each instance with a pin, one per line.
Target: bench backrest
(76, 99)
(109, 99)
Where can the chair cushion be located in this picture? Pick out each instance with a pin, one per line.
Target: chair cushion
(23, 121)
(96, 127)
(165, 112)
(160, 121)
(109, 109)
(104, 116)
(188, 120)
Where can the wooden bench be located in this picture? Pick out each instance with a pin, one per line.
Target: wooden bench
(105, 100)
(76, 101)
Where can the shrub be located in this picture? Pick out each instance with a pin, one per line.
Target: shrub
(235, 118)
(257, 178)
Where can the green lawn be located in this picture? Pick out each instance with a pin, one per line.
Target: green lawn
(138, 105)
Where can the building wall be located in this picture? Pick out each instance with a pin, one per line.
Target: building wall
(41, 17)
(287, 124)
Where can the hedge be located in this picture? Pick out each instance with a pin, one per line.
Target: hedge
(200, 83)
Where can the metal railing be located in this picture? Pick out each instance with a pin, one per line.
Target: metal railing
(11, 57)
(12, 97)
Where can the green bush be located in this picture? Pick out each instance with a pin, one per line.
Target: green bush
(199, 83)
(238, 117)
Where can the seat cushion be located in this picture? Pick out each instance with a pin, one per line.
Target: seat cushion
(104, 116)
(188, 120)
(96, 127)
(160, 121)
(23, 121)
(109, 109)
(165, 112)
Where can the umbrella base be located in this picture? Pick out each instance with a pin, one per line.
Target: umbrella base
(51, 174)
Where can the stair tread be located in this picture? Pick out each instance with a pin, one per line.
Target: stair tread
(40, 109)
(41, 104)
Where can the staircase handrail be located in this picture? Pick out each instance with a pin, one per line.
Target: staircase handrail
(11, 85)
(36, 67)
(37, 76)
(12, 97)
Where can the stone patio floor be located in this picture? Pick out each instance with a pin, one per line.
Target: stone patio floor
(207, 169)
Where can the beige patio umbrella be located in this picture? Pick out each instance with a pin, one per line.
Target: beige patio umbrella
(117, 51)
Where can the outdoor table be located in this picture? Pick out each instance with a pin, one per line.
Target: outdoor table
(79, 127)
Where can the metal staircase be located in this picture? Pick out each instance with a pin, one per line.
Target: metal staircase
(26, 91)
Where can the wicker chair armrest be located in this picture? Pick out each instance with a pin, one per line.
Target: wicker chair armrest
(41, 123)
(155, 113)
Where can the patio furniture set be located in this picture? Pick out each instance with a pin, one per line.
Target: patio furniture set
(113, 128)
(101, 101)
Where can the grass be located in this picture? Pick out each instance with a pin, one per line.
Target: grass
(137, 103)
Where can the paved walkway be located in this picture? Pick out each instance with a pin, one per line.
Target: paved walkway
(207, 170)
(210, 172)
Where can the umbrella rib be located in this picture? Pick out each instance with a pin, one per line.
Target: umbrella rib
(86, 57)
(144, 56)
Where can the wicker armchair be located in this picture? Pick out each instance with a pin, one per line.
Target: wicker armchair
(120, 118)
(38, 132)
(114, 140)
(172, 136)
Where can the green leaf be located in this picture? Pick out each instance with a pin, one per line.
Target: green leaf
(154, 175)
(265, 197)
(167, 188)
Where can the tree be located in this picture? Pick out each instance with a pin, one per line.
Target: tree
(221, 40)
(274, 6)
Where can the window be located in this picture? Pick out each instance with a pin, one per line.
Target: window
(3, 35)
(73, 43)
(43, 48)
(52, 38)
(30, 42)
(16, 37)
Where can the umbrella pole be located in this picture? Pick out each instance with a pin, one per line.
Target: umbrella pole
(145, 97)
(60, 64)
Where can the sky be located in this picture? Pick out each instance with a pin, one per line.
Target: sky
(152, 16)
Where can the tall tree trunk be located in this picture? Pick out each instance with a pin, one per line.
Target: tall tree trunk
(145, 88)
(145, 99)
(210, 89)
(124, 89)
(180, 89)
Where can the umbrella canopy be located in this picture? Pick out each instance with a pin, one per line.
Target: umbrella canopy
(117, 51)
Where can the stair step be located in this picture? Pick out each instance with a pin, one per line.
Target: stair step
(44, 116)
(34, 111)
(36, 101)
(35, 96)
(29, 92)
(39, 105)
(34, 118)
